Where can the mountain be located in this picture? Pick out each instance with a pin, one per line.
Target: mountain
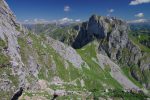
(114, 42)
(141, 33)
(36, 66)
(63, 33)
(140, 26)
(139, 21)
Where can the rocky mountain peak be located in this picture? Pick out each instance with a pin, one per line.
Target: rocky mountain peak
(101, 27)
(6, 13)
(114, 42)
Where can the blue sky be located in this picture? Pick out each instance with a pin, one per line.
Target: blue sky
(79, 9)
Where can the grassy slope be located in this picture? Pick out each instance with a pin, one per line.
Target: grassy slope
(94, 78)
(136, 40)
(97, 75)
(46, 73)
(66, 34)
(127, 72)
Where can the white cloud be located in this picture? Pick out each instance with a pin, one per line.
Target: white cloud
(26, 20)
(111, 10)
(78, 20)
(137, 2)
(139, 15)
(40, 21)
(65, 20)
(138, 21)
(58, 21)
(35, 21)
(66, 8)
(108, 15)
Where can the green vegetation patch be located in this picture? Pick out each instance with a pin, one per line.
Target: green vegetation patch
(137, 38)
(2, 43)
(127, 71)
(126, 95)
(24, 51)
(7, 71)
(95, 77)
(5, 95)
(4, 60)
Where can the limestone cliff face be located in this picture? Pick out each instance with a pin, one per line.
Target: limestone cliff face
(8, 35)
(114, 42)
(102, 27)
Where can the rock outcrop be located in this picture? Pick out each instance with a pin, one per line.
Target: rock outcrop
(112, 35)
(8, 34)
(68, 53)
(116, 72)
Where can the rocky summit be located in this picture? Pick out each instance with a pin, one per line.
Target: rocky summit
(95, 60)
(114, 42)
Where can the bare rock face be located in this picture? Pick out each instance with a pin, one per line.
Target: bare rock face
(102, 27)
(82, 38)
(116, 72)
(98, 26)
(9, 30)
(68, 53)
(112, 35)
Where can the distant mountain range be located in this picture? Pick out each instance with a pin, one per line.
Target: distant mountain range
(63, 21)
(139, 21)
